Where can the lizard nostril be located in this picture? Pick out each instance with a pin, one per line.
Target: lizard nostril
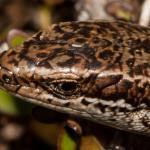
(6, 78)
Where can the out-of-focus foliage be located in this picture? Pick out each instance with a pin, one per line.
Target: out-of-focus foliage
(66, 141)
(16, 38)
(35, 15)
(12, 106)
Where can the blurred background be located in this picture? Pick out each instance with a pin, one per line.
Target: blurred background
(19, 130)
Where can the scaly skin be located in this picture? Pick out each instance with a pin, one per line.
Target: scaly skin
(96, 70)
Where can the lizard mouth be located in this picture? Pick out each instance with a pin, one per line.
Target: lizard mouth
(36, 96)
(46, 100)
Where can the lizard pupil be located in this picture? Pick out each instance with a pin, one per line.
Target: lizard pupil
(68, 86)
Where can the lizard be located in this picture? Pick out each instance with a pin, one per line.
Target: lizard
(98, 70)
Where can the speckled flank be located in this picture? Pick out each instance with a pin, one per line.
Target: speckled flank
(96, 70)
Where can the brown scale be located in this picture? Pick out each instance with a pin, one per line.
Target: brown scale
(97, 70)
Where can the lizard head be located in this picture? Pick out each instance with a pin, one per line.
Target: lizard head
(53, 67)
(66, 65)
(76, 67)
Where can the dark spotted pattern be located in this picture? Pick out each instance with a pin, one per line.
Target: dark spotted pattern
(96, 70)
(106, 54)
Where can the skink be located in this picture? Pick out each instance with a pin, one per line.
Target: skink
(98, 70)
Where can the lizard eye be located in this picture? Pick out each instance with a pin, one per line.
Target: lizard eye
(65, 88)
